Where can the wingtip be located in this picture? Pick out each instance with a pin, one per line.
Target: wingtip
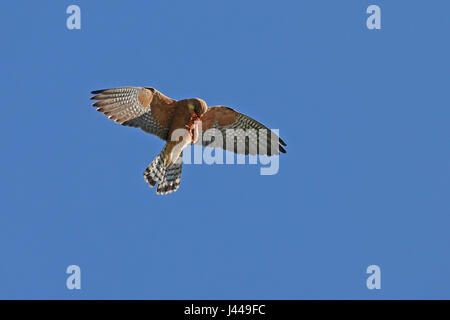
(98, 91)
(282, 142)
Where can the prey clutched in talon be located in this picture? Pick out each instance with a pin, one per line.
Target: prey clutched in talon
(193, 127)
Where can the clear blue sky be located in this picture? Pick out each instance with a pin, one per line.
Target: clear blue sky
(365, 180)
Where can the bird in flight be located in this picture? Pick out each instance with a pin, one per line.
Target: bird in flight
(180, 123)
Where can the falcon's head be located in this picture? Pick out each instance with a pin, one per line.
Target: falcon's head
(197, 107)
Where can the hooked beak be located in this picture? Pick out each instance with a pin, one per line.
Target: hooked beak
(198, 116)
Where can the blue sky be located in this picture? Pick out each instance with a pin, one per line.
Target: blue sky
(365, 181)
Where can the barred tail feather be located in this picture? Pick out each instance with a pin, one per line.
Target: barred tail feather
(168, 179)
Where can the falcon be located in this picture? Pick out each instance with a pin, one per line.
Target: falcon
(180, 123)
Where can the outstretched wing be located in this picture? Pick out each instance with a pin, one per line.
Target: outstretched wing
(230, 130)
(139, 107)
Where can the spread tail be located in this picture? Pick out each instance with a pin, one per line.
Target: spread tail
(168, 179)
